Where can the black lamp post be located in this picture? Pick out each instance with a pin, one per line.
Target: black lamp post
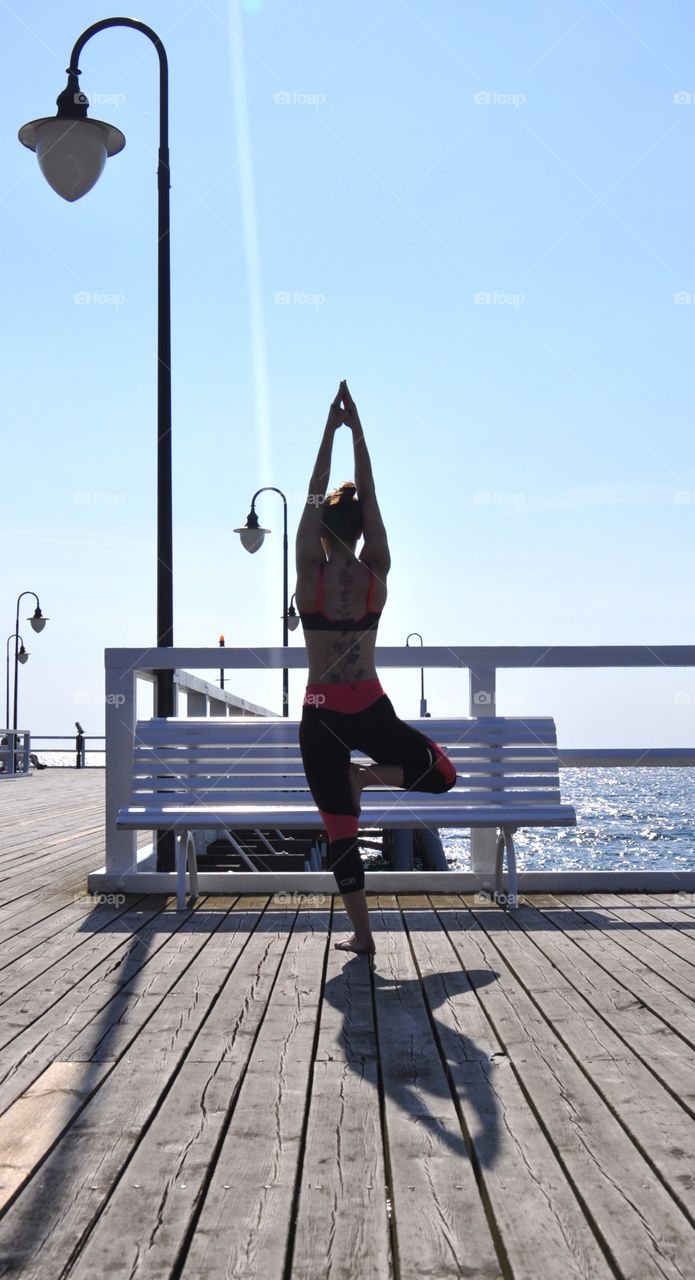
(423, 701)
(38, 622)
(252, 536)
(21, 655)
(72, 151)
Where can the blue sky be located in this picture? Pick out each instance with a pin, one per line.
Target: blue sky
(482, 217)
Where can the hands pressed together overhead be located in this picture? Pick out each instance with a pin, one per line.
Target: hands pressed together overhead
(343, 410)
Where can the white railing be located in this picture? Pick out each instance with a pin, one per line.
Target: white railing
(206, 699)
(125, 666)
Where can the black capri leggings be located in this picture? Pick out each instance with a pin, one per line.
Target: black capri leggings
(326, 738)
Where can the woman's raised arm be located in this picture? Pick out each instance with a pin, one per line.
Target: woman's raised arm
(376, 548)
(308, 544)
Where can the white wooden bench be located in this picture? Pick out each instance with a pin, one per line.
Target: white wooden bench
(242, 773)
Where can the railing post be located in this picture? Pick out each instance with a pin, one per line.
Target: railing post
(483, 839)
(196, 703)
(121, 846)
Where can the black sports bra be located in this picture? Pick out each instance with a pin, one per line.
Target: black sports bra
(316, 620)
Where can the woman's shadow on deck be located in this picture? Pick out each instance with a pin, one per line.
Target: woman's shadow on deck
(413, 1046)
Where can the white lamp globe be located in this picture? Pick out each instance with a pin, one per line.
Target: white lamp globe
(71, 152)
(252, 539)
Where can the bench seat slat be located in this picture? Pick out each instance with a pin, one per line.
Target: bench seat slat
(233, 778)
(271, 795)
(393, 815)
(220, 723)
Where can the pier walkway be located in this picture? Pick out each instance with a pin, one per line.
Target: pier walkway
(220, 1093)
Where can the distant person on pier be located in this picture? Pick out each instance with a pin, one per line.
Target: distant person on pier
(340, 598)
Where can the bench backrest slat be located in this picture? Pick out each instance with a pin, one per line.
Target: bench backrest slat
(495, 730)
(257, 762)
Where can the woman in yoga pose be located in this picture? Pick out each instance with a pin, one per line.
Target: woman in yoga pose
(340, 598)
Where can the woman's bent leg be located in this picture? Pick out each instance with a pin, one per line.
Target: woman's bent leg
(392, 743)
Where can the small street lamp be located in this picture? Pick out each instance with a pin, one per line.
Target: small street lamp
(22, 656)
(38, 622)
(423, 700)
(292, 616)
(252, 536)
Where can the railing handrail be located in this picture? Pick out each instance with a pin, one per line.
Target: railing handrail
(467, 656)
(63, 737)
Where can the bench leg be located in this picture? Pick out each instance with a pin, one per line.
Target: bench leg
(185, 860)
(499, 864)
(192, 861)
(181, 849)
(505, 840)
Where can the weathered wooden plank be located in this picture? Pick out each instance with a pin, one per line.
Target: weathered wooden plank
(46, 1227)
(143, 1227)
(29, 1128)
(108, 1036)
(668, 1056)
(674, 908)
(625, 959)
(633, 1214)
(97, 1002)
(657, 1123)
(527, 1189)
(70, 919)
(661, 939)
(342, 1212)
(437, 1207)
(244, 1224)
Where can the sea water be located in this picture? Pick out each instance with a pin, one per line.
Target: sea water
(630, 819)
(627, 819)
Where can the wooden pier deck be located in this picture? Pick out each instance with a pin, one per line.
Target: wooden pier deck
(220, 1093)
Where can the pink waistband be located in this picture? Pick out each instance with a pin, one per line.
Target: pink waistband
(346, 696)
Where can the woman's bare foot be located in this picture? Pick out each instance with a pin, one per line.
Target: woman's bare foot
(356, 943)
